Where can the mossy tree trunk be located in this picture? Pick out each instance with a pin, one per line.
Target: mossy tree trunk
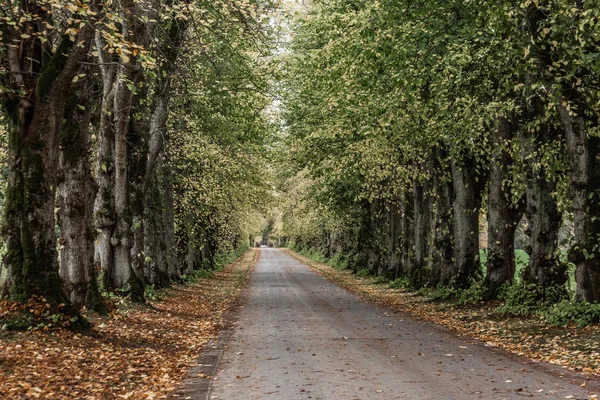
(158, 234)
(75, 197)
(503, 213)
(443, 247)
(422, 217)
(584, 159)
(468, 186)
(155, 198)
(407, 233)
(113, 211)
(35, 123)
(543, 218)
(104, 213)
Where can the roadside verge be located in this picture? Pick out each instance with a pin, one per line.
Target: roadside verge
(139, 352)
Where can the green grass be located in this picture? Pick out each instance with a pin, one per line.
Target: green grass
(521, 261)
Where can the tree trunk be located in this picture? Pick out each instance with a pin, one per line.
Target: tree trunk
(34, 129)
(76, 191)
(584, 159)
(467, 203)
(422, 213)
(104, 214)
(392, 222)
(113, 208)
(363, 237)
(148, 164)
(544, 268)
(503, 214)
(407, 233)
(31, 254)
(158, 243)
(443, 248)
(193, 259)
(169, 221)
(373, 248)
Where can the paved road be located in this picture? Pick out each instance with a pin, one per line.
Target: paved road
(300, 337)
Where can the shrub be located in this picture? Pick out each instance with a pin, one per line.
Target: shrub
(565, 312)
(522, 299)
(474, 294)
(381, 279)
(363, 272)
(443, 292)
(338, 261)
(400, 283)
(196, 276)
(152, 294)
(313, 254)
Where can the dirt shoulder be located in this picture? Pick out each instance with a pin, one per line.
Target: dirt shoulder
(140, 352)
(576, 349)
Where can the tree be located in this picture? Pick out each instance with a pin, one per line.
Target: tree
(38, 72)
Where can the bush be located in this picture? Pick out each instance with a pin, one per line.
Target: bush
(522, 299)
(443, 292)
(338, 261)
(196, 276)
(363, 272)
(474, 294)
(400, 283)
(521, 262)
(152, 294)
(565, 312)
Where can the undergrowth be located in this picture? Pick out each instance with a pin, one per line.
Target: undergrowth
(565, 312)
(523, 299)
(153, 294)
(400, 283)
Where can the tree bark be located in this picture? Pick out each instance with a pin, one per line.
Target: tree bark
(104, 214)
(422, 213)
(407, 233)
(374, 253)
(503, 214)
(543, 218)
(113, 208)
(584, 160)
(35, 122)
(75, 198)
(392, 222)
(443, 248)
(467, 203)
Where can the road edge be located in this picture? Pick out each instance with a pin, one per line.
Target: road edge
(198, 382)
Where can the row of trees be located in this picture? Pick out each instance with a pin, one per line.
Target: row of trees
(410, 123)
(135, 130)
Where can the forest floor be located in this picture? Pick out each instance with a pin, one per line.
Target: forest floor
(138, 352)
(577, 349)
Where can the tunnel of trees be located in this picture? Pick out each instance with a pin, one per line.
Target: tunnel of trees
(133, 136)
(447, 143)
(442, 143)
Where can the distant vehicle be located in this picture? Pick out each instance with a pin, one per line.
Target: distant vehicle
(262, 245)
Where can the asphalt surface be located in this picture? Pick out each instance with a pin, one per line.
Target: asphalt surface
(298, 336)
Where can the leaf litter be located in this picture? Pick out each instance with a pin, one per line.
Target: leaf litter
(138, 352)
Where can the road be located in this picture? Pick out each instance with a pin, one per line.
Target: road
(298, 336)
